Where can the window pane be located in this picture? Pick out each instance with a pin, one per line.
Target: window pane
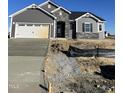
(37, 24)
(29, 24)
(21, 24)
(87, 27)
(100, 27)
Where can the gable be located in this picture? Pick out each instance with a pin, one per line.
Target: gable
(61, 9)
(63, 13)
(49, 6)
(33, 15)
(33, 6)
(78, 15)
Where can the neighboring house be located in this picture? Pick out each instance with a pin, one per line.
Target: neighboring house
(49, 20)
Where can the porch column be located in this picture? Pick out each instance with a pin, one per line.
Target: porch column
(54, 29)
(76, 25)
(10, 30)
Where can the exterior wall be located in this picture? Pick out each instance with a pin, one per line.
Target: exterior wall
(95, 34)
(81, 35)
(33, 16)
(64, 17)
(101, 33)
(83, 20)
(103, 26)
(48, 9)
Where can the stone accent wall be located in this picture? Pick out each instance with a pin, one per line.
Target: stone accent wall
(65, 18)
(82, 35)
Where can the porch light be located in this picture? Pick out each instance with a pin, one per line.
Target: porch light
(60, 13)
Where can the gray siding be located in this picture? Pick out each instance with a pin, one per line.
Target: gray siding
(34, 16)
(64, 17)
(82, 20)
(95, 34)
(48, 9)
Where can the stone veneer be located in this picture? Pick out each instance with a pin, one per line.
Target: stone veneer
(82, 35)
(65, 18)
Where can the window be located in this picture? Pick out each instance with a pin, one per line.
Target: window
(21, 25)
(100, 27)
(37, 24)
(87, 27)
(29, 24)
(49, 6)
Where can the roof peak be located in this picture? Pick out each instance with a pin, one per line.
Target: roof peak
(49, 1)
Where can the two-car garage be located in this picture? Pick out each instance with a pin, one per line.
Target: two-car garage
(32, 22)
(32, 30)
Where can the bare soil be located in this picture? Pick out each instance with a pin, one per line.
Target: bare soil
(78, 74)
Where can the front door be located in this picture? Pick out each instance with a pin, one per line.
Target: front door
(61, 29)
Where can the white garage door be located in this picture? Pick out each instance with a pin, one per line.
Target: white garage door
(32, 30)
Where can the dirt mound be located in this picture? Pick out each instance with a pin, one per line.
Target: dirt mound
(63, 72)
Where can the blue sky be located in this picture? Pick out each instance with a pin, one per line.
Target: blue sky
(102, 8)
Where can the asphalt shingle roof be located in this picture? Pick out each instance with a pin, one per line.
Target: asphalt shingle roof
(75, 14)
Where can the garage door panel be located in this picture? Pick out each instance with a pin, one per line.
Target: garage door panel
(23, 32)
(44, 32)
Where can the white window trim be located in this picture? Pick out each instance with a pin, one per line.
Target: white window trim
(87, 22)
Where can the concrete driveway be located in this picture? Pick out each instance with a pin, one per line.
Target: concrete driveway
(25, 63)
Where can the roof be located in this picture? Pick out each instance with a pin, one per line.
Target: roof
(74, 15)
(31, 6)
(62, 9)
(49, 1)
(98, 17)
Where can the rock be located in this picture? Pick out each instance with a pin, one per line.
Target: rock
(103, 87)
(109, 90)
(112, 88)
(97, 86)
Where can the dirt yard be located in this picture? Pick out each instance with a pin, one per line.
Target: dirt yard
(79, 74)
(106, 43)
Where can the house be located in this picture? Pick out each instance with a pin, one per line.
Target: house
(49, 20)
